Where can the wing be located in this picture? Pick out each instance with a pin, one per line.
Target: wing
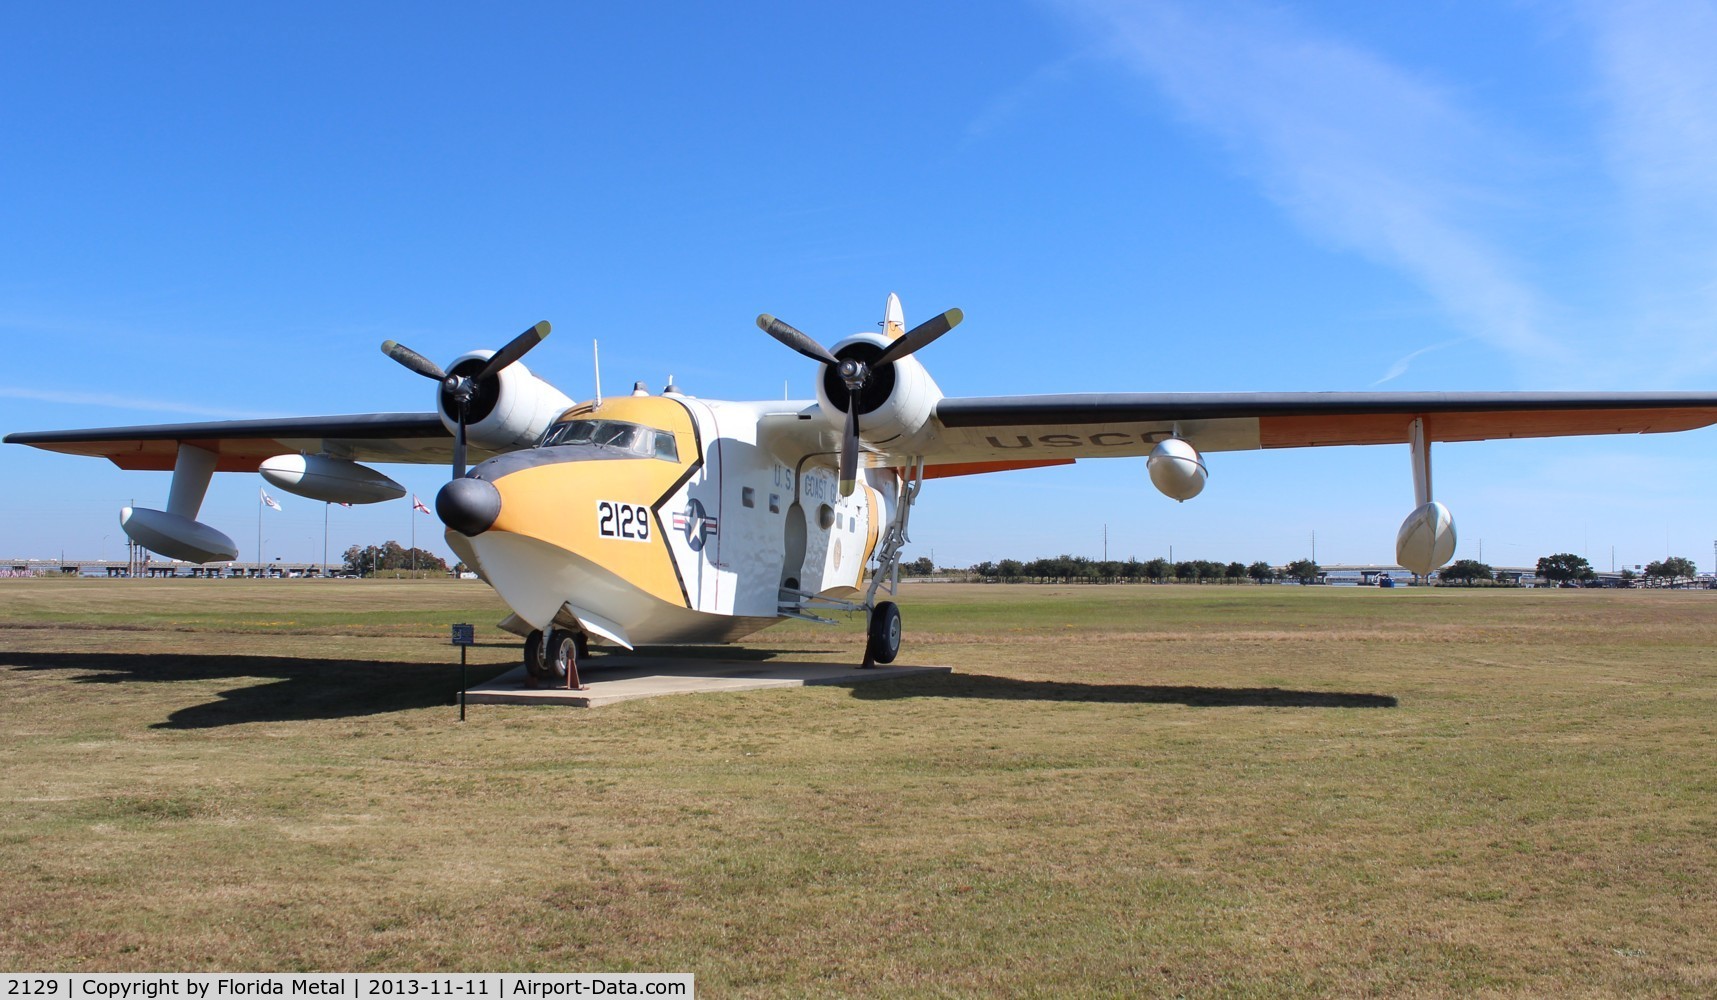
(242, 445)
(1023, 431)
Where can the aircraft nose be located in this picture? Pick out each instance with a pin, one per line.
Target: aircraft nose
(468, 506)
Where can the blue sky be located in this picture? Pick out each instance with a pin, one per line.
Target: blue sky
(221, 210)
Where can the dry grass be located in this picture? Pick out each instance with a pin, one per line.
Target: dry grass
(1121, 791)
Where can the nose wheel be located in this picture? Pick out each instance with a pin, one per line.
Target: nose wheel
(552, 658)
(883, 641)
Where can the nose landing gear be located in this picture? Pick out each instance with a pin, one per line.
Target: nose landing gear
(552, 658)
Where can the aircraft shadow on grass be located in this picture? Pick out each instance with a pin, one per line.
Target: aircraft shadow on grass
(958, 685)
(292, 688)
(287, 688)
(297, 689)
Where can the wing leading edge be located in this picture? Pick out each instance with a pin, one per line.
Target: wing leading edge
(1092, 425)
(241, 445)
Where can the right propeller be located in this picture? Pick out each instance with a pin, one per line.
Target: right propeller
(855, 374)
(464, 387)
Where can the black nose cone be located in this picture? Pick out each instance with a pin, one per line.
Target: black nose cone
(468, 506)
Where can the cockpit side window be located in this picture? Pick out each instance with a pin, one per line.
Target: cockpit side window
(571, 432)
(666, 448)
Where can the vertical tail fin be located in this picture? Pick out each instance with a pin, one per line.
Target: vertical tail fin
(893, 318)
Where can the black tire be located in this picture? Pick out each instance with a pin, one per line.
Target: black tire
(884, 643)
(564, 651)
(534, 656)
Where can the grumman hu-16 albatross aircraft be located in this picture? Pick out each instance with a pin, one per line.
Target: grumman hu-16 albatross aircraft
(672, 519)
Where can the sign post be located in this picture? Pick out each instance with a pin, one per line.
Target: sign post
(463, 635)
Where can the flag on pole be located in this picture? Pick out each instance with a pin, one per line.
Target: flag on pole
(417, 504)
(268, 499)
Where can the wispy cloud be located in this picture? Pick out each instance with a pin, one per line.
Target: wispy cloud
(1360, 152)
(1655, 59)
(114, 401)
(1020, 98)
(1399, 368)
(1658, 80)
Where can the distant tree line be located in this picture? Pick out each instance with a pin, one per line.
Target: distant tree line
(1567, 568)
(1466, 573)
(1079, 569)
(367, 560)
(1561, 568)
(1672, 570)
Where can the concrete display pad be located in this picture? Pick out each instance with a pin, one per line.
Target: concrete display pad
(623, 678)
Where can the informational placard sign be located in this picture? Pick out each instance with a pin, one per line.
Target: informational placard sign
(464, 635)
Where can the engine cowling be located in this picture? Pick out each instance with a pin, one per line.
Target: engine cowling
(895, 406)
(509, 410)
(1177, 469)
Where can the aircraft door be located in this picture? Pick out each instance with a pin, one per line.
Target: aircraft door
(793, 552)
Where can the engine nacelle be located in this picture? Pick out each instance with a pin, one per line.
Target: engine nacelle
(331, 480)
(1177, 469)
(1426, 540)
(894, 408)
(509, 410)
(176, 537)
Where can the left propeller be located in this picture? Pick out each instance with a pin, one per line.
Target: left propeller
(463, 387)
(856, 374)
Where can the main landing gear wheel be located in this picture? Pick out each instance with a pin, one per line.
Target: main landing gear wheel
(561, 656)
(884, 641)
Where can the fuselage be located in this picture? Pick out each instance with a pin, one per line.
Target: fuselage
(672, 519)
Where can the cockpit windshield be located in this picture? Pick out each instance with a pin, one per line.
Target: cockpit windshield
(617, 435)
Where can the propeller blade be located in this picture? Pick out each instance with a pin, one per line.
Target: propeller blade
(920, 336)
(794, 339)
(849, 445)
(515, 349)
(459, 443)
(413, 360)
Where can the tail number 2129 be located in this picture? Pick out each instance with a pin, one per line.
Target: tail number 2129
(628, 521)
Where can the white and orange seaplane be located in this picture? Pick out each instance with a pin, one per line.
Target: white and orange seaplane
(652, 519)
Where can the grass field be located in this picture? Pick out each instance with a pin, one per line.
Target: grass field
(1205, 791)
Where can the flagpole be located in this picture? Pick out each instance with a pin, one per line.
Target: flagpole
(325, 506)
(259, 532)
(414, 534)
